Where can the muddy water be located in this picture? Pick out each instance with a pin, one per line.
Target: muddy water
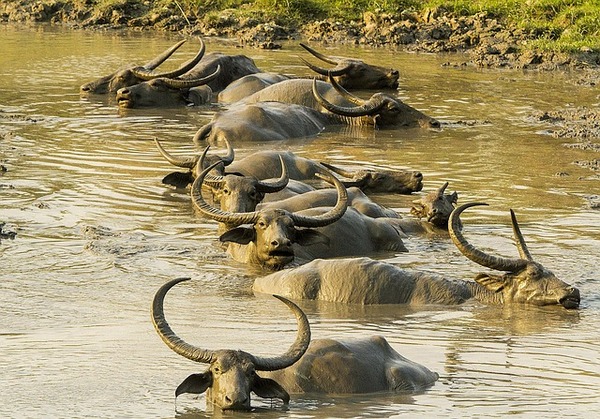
(97, 234)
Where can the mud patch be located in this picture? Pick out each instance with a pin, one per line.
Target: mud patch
(593, 201)
(580, 122)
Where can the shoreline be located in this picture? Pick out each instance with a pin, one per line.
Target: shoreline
(487, 42)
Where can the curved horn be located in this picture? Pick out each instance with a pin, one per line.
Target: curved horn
(228, 158)
(338, 170)
(186, 162)
(215, 213)
(277, 185)
(330, 216)
(346, 94)
(189, 83)
(161, 58)
(328, 60)
(298, 348)
(368, 108)
(442, 189)
(146, 73)
(521, 245)
(168, 335)
(477, 256)
(325, 72)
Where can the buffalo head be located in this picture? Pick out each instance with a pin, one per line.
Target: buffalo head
(385, 109)
(238, 193)
(232, 374)
(355, 74)
(135, 74)
(435, 207)
(380, 180)
(272, 232)
(525, 280)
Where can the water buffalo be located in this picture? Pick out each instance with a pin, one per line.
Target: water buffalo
(214, 72)
(278, 120)
(232, 374)
(264, 165)
(385, 109)
(348, 72)
(354, 74)
(324, 366)
(270, 238)
(273, 240)
(365, 281)
(167, 92)
(331, 97)
(436, 206)
(133, 74)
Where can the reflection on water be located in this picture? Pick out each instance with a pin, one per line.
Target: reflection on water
(97, 234)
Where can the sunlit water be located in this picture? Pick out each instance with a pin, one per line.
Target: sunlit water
(97, 234)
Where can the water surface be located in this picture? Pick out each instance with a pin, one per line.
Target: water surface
(97, 234)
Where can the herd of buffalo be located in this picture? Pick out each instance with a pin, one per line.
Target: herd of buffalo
(312, 225)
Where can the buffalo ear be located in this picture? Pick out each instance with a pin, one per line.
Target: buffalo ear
(492, 282)
(269, 389)
(418, 210)
(308, 236)
(454, 198)
(178, 179)
(240, 235)
(195, 384)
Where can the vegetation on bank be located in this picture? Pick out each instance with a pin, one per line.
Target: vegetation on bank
(557, 25)
(550, 25)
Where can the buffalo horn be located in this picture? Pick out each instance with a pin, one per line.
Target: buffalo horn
(358, 182)
(276, 185)
(521, 245)
(368, 108)
(168, 335)
(189, 83)
(325, 72)
(158, 60)
(215, 213)
(146, 73)
(296, 350)
(330, 216)
(187, 162)
(478, 256)
(346, 94)
(320, 56)
(442, 189)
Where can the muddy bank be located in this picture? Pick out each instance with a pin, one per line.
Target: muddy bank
(486, 40)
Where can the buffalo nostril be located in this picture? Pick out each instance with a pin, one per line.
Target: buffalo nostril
(418, 174)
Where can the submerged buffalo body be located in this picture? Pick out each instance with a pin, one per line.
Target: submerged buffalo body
(357, 366)
(365, 281)
(265, 165)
